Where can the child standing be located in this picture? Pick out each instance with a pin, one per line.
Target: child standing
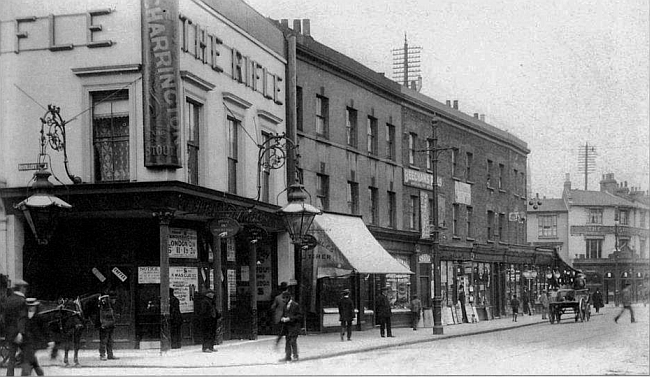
(514, 303)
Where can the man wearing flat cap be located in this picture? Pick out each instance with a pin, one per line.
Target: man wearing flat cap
(208, 316)
(15, 309)
(346, 313)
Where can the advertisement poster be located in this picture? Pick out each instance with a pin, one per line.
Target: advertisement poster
(182, 243)
(184, 280)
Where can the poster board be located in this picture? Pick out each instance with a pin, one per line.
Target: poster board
(447, 316)
(184, 280)
(454, 317)
(475, 317)
(459, 313)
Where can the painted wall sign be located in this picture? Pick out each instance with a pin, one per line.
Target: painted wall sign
(424, 215)
(182, 243)
(120, 275)
(184, 280)
(161, 79)
(420, 179)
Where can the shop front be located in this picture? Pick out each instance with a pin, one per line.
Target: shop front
(347, 256)
(112, 242)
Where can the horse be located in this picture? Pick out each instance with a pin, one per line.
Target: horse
(66, 324)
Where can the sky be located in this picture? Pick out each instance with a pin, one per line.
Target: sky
(559, 75)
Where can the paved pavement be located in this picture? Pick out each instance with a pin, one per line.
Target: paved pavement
(263, 352)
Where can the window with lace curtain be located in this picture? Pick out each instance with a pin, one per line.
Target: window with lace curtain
(110, 123)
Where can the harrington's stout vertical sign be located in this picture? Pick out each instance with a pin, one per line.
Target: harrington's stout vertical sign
(161, 83)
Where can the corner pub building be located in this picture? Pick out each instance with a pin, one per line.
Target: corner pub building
(166, 104)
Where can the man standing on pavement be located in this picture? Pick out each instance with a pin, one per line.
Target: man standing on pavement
(15, 309)
(416, 308)
(278, 308)
(346, 314)
(208, 316)
(34, 335)
(291, 323)
(514, 304)
(627, 303)
(175, 319)
(461, 298)
(543, 299)
(106, 328)
(383, 313)
(597, 299)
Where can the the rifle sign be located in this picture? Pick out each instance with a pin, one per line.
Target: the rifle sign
(32, 166)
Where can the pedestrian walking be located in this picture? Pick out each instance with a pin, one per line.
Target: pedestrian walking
(277, 309)
(626, 298)
(526, 302)
(597, 299)
(208, 316)
(15, 312)
(383, 313)
(543, 299)
(514, 304)
(175, 319)
(461, 298)
(346, 314)
(106, 324)
(416, 309)
(291, 324)
(34, 336)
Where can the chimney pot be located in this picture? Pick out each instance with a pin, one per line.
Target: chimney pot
(476, 115)
(306, 27)
(448, 103)
(284, 22)
(296, 26)
(456, 104)
(482, 117)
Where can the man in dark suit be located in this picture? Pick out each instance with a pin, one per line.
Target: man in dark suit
(346, 314)
(291, 324)
(208, 316)
(15, 310)
(383, 313)
(278, 308)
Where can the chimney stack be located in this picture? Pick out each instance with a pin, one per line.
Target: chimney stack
(456, 104)
(284, 22)
(476, 115)
(567, 182)
(482, 117)
(296, 26)
(306, 27)
(449, 103)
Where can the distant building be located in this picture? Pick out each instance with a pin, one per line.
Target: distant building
(602, 233)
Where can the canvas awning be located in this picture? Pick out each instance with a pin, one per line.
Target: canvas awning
(345, 245)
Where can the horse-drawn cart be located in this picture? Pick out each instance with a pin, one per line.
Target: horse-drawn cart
(576, 301)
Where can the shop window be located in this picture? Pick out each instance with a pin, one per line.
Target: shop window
(400, 293)
(110, 117)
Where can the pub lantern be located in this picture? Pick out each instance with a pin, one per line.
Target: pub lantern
(297, 214)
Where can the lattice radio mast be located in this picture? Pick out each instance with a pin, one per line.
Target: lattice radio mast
(406, 65)
(587, 161)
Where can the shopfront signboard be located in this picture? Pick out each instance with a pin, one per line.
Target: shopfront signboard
(224, 227)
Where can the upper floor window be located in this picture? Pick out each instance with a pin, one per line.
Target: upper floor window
(501, 176)
(490, 225)
(299, 110)
(233, 150)
(353, 197)
(547, 226)
(265, 174)
(594, 248)
(374, 205)
(392, 208)
(412, 140)
(454, 163)
(522, 184)
(322, 191)
(502, 227)
(110, 117)
(193, 122)
(470, 216)
(455, 214)
(488, 172)
(372, 135)
(322, 116)
(415, 212)
(390, 141)
(351, 126)
(515, 177)
(623, 217)
(595, 216)
(468, 167)
(642, 219)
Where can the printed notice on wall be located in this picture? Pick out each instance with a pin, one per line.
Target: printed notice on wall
(232, 287)
(182, 243)
(184, 280)
(230, 250)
